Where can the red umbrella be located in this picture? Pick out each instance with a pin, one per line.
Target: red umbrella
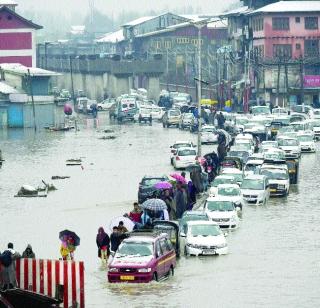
(179, 178)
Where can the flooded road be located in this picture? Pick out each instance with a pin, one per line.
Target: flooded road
(274, 258)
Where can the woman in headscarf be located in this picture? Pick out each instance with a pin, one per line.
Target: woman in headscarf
(103, 243)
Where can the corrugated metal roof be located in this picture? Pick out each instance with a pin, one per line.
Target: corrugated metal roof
(23, 70)
(8, 2)
(6, 89)
(238, 11)
(112, 37)
(138, 21)
(290, 6)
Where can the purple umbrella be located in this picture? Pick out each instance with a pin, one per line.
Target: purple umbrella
(179, 178)
(163, 185)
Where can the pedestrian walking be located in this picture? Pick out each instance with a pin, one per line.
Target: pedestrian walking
(8, 273)
(103, 243)
(28, 253)
(181, 200)
(116, 238)
(221, 120)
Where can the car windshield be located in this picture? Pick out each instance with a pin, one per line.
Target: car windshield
(275, 174)
(174, 113)
(253, 184)
(188, 116)
(288, 142)
(286, 129)
(221, 180)
(242, 121)
(187, 152)
(274, 156)
(251, 167)
(241, 154)
(145, 111)
(221, 206)
(151, 182)
(181, 145)
(135, 249)
(305, 138)
(208, 130)
(205, 230)
(261, 110)
(237, 176)
(228, 191)
(316, 123)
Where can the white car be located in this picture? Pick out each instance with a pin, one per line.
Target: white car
(245, 143)
(184, 158)
(234, 172)
(255, 189)
(157, 112)
(315, 124)
(143, 115)
(252, 166)
(279, 111)
(279, 182)
(186, 120)
(274, 154)
(107, 104)
(221, 179)
(291, 146)
(204, 238)
(223, 212)
(208, 134)
(307, 143)
(177, 145)
(268, 145)
(231, 192)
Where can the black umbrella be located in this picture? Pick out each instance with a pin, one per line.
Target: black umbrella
(67, 233)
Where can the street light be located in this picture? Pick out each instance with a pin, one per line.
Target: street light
(199, 26)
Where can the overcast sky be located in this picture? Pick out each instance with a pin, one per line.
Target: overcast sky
(117, 6)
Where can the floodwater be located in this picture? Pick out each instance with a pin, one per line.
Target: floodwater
(274, 257)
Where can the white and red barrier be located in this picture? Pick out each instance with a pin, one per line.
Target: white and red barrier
(43, 276)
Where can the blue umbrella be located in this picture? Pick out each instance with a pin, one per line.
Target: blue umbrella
(154, 205)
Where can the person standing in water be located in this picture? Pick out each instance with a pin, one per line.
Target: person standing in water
(103, 243)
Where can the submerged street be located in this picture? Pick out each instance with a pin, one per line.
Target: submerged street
(274, 256)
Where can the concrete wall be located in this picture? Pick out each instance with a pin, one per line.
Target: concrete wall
(96, 86)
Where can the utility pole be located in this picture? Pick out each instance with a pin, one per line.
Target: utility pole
(71, 75)
(199, 89)
(286, 82)
(302, 81)
(32, 100)
(167, 69)
(278, 82)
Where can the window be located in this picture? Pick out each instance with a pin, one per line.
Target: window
(311, 48)
(298, 46)
(311, 23)
(297, 20)
(259, 51)
(182, 40)
(167, 44)
(257, 24)
(158, 250)
(156, 44)
(164, 246)
(280, 23)
(282, 51)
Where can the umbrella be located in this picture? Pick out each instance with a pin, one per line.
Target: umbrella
(163, 185)
(73, 235)
(127, 222)
(179, 178)
(154, 205)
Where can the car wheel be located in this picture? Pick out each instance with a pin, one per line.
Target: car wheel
(155, 276)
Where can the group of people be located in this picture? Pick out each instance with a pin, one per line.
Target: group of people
(8, 265)
(107, 244)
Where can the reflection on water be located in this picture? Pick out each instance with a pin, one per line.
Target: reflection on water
(274, 255)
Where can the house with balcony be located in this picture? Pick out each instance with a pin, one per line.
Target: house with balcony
(285, 45)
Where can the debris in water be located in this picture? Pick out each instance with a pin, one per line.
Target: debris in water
(60, 177)
(107, 137)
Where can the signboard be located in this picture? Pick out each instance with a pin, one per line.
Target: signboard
(311, 81)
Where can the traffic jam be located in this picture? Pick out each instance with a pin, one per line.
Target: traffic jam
(192, 211)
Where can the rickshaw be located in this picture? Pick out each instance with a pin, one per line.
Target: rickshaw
(232, 162)
(293, 168)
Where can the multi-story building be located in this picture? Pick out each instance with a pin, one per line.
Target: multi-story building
(285, 35)
(17, 36)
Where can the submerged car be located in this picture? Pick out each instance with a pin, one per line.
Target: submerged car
(279, 182)
(222, 211)
(142, 258)
(221, 179)
(143, 115)
(255, 189)
(191, 216)
(291, 146)
(184, 158)
(204, 238)
(307, 143)
(209, 134)
(146, 186)
(177, 145)
(171, 117)
(186, 120)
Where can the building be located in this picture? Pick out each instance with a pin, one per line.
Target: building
(21, 90)
(285, 39)
(17, 36)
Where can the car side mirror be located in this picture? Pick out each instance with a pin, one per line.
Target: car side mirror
(182, 234)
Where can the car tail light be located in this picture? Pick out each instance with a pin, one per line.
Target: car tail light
(177, 158)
